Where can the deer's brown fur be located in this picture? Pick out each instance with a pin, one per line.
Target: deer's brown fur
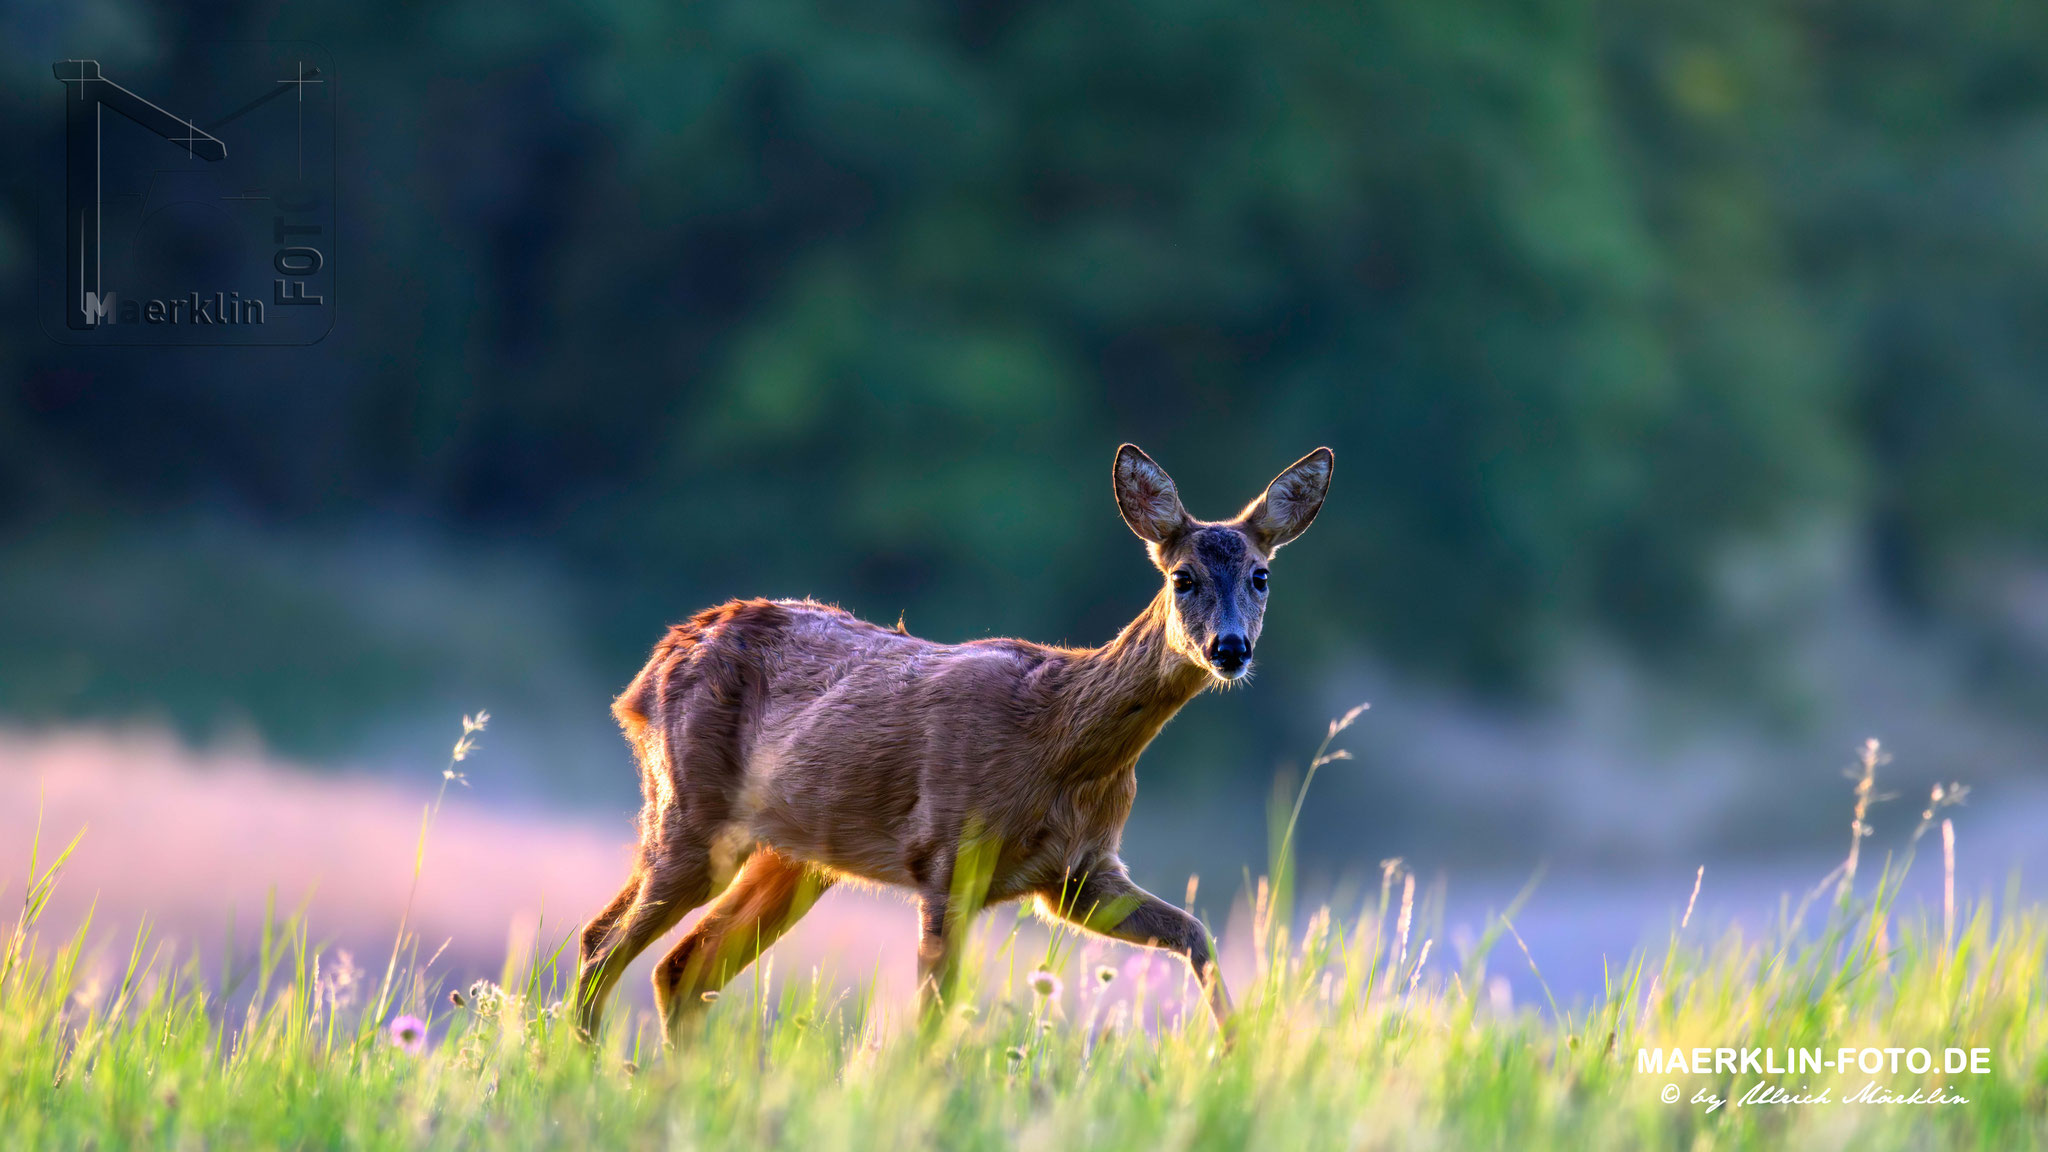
(786, 744)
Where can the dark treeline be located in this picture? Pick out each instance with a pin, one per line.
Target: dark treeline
(708, 299)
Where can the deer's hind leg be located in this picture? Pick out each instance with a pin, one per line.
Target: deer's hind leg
(770, 894)
(667, 883)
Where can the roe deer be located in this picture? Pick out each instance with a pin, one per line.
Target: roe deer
(785, 744)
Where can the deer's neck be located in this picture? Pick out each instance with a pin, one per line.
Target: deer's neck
(1128, 689)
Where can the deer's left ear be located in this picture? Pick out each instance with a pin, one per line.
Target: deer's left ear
(1146, 497)
(1290, 502)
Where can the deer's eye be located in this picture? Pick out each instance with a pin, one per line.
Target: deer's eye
(1258, 580)
(1183, 580)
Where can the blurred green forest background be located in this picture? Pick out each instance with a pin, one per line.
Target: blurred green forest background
(1608, 309)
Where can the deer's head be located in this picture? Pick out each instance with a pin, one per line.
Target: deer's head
(1217, 571)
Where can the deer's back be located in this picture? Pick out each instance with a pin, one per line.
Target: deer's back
(859, 747)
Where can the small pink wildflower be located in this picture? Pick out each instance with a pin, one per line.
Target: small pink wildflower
(409, 1033)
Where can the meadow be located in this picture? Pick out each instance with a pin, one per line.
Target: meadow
(1363, 1028)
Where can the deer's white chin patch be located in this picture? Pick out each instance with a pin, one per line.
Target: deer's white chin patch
(1243, 670)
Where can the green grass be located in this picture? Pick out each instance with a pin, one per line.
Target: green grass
(1356, 1033)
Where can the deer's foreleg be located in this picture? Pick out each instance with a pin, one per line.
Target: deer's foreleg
(1105, 901)
(938, 955)
(953, 888)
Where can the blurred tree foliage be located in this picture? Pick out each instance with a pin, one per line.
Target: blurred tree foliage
(857, 299)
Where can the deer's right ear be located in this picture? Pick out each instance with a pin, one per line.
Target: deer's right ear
(1147, 498)
(1290, 502)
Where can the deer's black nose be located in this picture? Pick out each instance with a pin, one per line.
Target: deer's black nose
(1229, 653)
